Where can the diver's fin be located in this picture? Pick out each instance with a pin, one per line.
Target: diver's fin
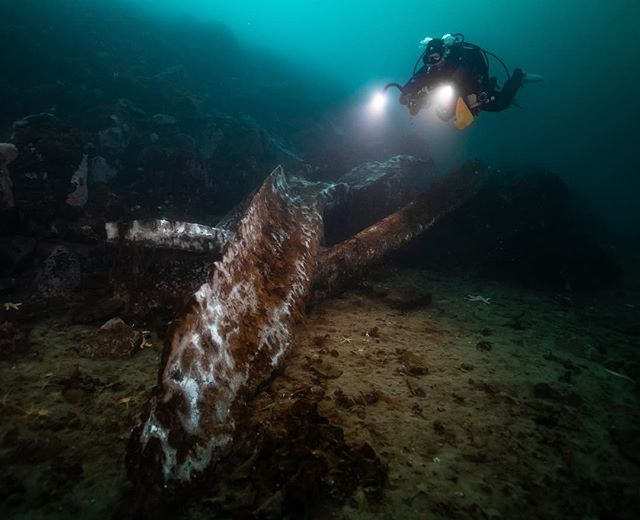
(527, 77)
(516, 104)
(464, 117)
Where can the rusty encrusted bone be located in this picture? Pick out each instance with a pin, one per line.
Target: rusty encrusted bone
(231, 336)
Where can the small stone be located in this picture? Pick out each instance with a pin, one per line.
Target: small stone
(544, 391)
(484, 346)
(413, 363)
(13, 340)
(408, 297)
(114, 339)
(438, 427)
(343, 400)
(324, 369)
(60, 275)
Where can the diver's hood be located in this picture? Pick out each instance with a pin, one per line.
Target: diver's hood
(436, 45)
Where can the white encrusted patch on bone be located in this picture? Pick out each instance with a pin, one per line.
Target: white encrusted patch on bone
(234, 332)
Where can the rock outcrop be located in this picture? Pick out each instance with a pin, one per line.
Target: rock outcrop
(8, 154)
(60, 275)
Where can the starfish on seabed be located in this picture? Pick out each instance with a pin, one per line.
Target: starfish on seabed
(10, 306)
(478, 298)
(125, 401)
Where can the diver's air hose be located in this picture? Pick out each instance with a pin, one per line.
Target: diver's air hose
(461, 40)
(394, 85)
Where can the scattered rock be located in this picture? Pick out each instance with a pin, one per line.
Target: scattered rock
(13, 340)
(544, 391)
(457, 398)
(79, 180)
(320, 341)
(628, 442)
(100, 171)
(408, 297)
(324, 369)
(415, 390)
(517, 322)
(413, 364)
(370, 397)
(112, 141)
(80, 381)
(343, 400)
(521, 227)
(115, 339)
(36, 450)
(69, 471)
(373, 332)
(572, 399)
(8, 154)
(548, 420)
(11, 490)
(596, 354)
(16, 253)
(164, 120)
(302, 458)
(50, 151)
(60, 274)
(484, 346)
(91, 312)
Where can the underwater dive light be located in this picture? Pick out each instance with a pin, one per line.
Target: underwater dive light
(444, 95)
(378, 103)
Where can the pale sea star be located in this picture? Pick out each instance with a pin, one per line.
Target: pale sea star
(478, 298)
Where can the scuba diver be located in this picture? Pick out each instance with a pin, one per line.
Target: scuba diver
(456, 70)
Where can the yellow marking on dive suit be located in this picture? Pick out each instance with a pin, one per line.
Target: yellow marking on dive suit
(464, 117)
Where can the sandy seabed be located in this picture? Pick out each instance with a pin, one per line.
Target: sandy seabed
(507, 406)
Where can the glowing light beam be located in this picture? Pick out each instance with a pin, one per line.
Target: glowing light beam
(378, 103)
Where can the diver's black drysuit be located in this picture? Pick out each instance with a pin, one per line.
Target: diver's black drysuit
(465, 67)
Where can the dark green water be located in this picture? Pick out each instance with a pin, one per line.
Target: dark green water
(488, 371)
(581, 122)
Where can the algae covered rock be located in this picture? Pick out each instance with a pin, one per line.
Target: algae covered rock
(13, 340)
(50, 152)
(8, 154)
(114, 339)
(60, 275)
